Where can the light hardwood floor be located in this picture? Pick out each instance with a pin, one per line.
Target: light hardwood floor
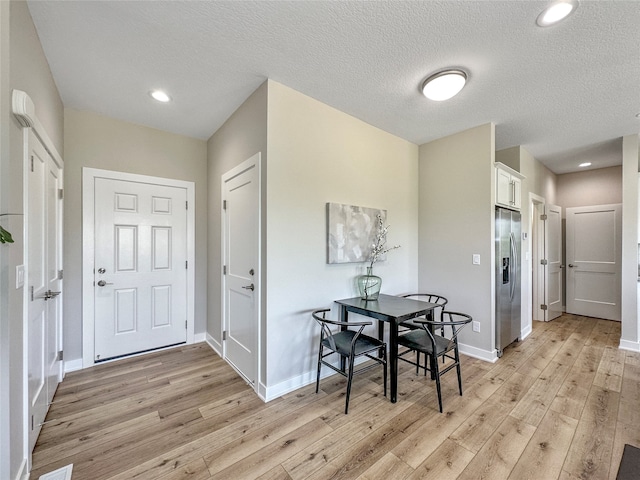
(559, 405)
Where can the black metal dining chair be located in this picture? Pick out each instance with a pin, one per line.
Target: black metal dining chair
(348, 345)
(427, 297)
(434, 346)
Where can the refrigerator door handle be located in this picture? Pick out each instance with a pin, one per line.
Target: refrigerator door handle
(512, 264)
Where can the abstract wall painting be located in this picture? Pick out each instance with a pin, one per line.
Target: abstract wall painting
(351, 231)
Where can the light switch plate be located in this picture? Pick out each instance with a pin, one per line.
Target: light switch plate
(476, 259)
(19, 276)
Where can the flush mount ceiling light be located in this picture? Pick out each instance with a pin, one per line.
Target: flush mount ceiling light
(444, 85)
(160, 96)
(585, 164)
(556, 12)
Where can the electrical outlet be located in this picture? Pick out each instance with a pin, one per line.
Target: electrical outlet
(475, 326)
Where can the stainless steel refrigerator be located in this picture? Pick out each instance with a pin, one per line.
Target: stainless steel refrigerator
(508, 233)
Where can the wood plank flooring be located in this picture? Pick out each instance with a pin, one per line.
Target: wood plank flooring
(559, 405)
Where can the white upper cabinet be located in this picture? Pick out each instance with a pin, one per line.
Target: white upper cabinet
(508, 187)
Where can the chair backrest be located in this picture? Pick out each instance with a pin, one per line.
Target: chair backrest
(456, 321)
(325, 323)
(431, 298)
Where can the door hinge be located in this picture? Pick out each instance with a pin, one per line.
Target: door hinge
(60, 274)
(543, 307)
(543, 217)
(224, 269)
(186, 264)
(224, 335)
(31, 288)
(224, 204)
(32, 163)
(60, 193)
(31, 422)
(186, 205)
(60, 355)
(185, 324)
(543, 262)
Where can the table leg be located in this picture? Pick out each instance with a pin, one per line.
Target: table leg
(393, 360)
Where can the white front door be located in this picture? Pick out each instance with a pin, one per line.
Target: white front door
(241, 227)
(594, 244)
(44, 260)
(553, 257)
(140, 268)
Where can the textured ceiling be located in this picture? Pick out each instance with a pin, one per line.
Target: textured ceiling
(564, 93)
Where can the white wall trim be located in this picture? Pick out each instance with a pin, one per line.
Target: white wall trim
(255, 161)
(72, 365)
(24, 111)
(631, 346)
(23, 472)
(214, 344)
(88, 254)
(525, 332)
(478, 353)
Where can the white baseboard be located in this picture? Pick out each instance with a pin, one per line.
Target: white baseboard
(23, 472)
(72, 365)
(214, 344)
(487, 356)
(628, 345)
(526, 332)
(200, 337)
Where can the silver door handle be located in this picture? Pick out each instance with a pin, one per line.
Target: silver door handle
(249, 287)
(102, 283)
(51, 294)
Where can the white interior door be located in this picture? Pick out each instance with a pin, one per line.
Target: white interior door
(553, 257)
(44, 305)
(140, 274)
(594, 244)
(241, 227)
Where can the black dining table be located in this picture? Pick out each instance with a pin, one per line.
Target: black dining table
(392, 310)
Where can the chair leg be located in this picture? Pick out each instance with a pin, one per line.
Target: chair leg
(319, 366)
(434, 364)
(349, 379)
(459, 372)
(417, 362)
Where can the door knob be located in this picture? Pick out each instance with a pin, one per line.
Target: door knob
(102, 283)
(249, 287)
(571, 265)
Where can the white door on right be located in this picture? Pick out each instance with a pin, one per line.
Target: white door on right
(594, 244)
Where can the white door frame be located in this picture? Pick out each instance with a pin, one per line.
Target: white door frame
(88, 254)
(253, 160)
(536, 244)
(24, 111)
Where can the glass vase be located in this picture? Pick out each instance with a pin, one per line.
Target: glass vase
(369, 285)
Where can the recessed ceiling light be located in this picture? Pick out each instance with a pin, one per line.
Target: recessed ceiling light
(585, 164)
(638, 115)
(160, 96)
(444, 85)
(556, 12)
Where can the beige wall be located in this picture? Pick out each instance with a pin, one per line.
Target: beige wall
(318, 154)
(602, 186)
(456, 220)
(95, 141)
(23, 66)
(242, 135)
